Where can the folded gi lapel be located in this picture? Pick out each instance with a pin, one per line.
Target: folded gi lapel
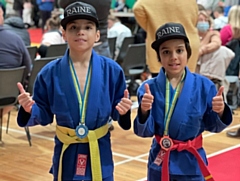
(181, 106)
(94, 91)
(67, 85)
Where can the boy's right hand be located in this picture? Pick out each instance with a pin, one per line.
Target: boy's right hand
(24, 99)
(147, 100)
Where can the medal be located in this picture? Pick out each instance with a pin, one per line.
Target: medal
(166, 143)
(81, 131)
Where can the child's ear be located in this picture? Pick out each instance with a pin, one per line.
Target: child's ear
(97, 36)
(64, 34)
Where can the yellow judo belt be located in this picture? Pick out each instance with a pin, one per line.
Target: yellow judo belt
(68, 136)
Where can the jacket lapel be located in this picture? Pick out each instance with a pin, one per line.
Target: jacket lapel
(181, 106)
(68, 88)
(67, 85)
(94, 91)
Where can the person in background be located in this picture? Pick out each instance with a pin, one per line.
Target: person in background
(232, 29)
(175, 108)
(66, 88)
(210, 39)
(13, 52)
(35, 14)
(220, 20)
(201, 7)
(52, 36)
(9, 8)
(45, 8)
(120, 6)
(209, 5)
(27, 13)
(213, 59)
(16, 25)
(227, 4)
(151, 14)
(210, 42)
(230, 35)
(117, 29)
(18, 7)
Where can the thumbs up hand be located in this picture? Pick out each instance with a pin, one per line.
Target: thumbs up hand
(125, 104)
(147, 100)
(24, 99)
(217, 102)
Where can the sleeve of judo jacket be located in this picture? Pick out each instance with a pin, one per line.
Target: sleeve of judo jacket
(123, 120)
(212, 121)
(41, 113)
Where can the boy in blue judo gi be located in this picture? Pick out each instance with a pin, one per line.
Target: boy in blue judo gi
(175, 108)
(82, 89)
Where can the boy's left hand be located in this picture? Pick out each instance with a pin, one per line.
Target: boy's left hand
(125, 104)
(218, 103)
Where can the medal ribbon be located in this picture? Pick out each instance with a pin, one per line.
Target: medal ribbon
(82, 99)
(170, 103)
(92, 137)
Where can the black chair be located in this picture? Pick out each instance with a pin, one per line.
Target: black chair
(112, 46)
(37, 66)
(234, 66)
(134, 64)
(123, 50)
(233, 91)
(56, 50)
(9, 92)
(32, 50)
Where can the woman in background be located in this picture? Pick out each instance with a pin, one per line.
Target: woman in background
(209, 39)
(232, 30)
(52, 36)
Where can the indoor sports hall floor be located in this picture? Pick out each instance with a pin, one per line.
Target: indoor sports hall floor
(20, 162)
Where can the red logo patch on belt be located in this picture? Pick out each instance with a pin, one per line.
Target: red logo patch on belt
(81, 164)
(160, 157)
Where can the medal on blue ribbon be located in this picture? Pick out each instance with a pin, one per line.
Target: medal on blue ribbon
(81, 130)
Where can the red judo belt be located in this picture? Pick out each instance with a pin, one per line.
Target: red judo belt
(191, 146)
